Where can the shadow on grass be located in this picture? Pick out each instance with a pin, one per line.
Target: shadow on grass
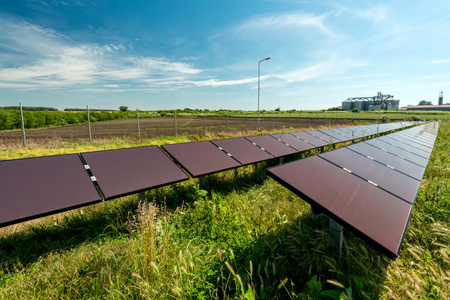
(107, 220)
(299, 261)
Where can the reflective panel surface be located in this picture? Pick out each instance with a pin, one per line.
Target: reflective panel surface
(271, 145)
(35, 187)
(201, 158)
(351, 201)
(243, 150)
(127, 171)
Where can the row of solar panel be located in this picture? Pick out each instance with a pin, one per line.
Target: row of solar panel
(368, 187)
(35, 187)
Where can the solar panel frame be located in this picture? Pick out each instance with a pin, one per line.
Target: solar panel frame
(128, 171)
(244, 151)
(201, 158)
(36, 187)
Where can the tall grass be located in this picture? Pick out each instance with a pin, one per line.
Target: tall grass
(239, 235)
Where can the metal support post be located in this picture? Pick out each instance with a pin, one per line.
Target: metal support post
(204, 114)
(277, 119)
(139, 128)
(23, 125)
(281, 160)
(89, 124)
(337, 233)
(201, 181)
(263, 121)
(141, 196)
(247, 119)
(175, 117)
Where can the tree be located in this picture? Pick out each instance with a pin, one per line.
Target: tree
(425, 102)
(277, 109)
(123, 108)
(355, 110)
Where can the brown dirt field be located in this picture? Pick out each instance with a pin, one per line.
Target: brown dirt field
(157, 127)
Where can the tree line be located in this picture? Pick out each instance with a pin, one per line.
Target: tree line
(10, 119)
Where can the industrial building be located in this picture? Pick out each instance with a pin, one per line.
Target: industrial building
(429, 107)
(378, 102)
(440, 107)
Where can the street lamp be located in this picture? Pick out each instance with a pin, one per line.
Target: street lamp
(259, 63)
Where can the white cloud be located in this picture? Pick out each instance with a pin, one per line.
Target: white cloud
(440, 61)
(285, 21)
(216, 83)
(376, 13)
(321, 70)
(42, 58)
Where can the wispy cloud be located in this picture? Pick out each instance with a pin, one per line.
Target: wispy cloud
(285, 21)
(321, 70)
(374, 13)
(38, 57)
(440, 61)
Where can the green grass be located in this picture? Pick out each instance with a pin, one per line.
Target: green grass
(240, 235)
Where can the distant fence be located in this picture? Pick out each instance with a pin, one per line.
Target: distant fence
(174, 125)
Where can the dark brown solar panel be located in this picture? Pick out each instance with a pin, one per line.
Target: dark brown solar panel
(310, 139)
(409, 147)
(386, 178)
(243, 150)
(271, 145)
(414, 141)
(294, 142)
(397, 140)
(201, 158)
(325, 137)
(411, 156)
(349, 132)
(335, 136)
(389, 159)
(35, 187)
(127, 171)
(351, 201)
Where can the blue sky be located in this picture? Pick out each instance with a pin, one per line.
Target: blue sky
(153, 54)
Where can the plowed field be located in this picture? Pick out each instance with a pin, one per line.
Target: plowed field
(157, 127)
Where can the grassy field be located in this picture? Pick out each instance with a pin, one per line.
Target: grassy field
(240, 235)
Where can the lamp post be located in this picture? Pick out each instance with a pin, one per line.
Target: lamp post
(259, 68)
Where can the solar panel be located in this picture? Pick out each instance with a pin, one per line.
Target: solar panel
(343, 133)
(35, 187)
(411, 156)
(293, 141)
(384, 177)
(415, 138)
(271, 145)
(315, 141)
(127, 171)
(325, 137)
(425, 151)
(366, 209)
(402, 165)
(335, 136)
(243, 150)
(201, 158)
